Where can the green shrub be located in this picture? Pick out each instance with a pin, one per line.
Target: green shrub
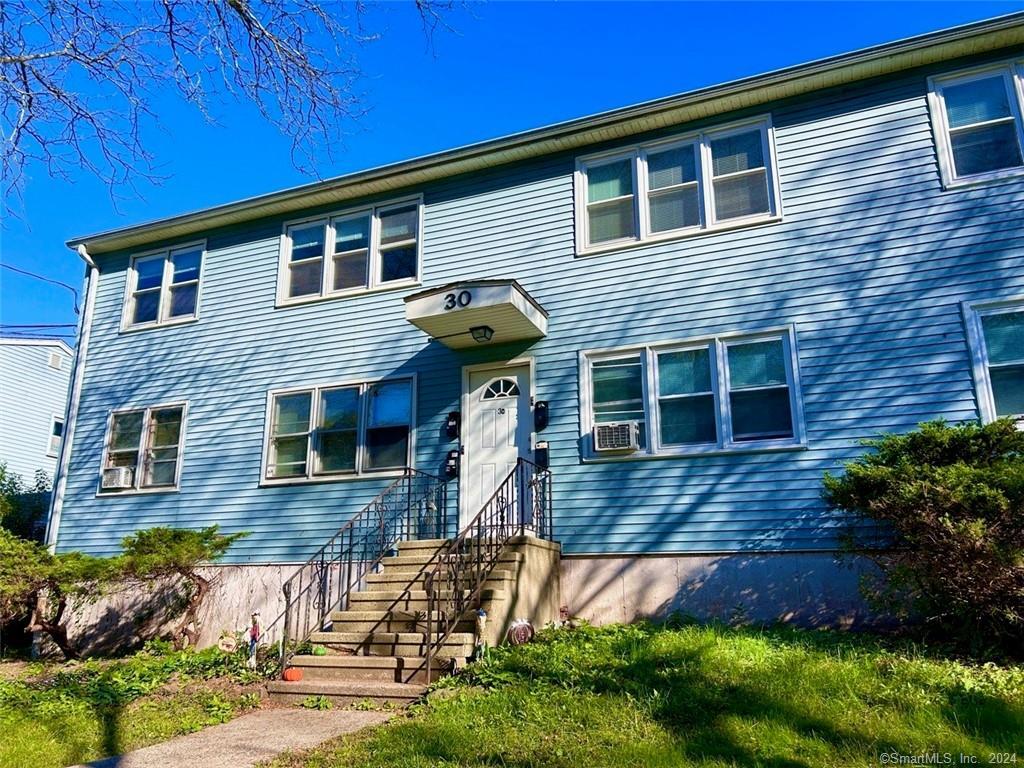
(950, 499)
(156, 553)
(28, 572)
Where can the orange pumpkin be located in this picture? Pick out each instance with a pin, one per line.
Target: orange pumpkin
(292, 674)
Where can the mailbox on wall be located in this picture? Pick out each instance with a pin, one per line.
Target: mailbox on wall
(453, 425)
(540, 415)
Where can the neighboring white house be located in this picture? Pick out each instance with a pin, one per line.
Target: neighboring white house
(34, 379)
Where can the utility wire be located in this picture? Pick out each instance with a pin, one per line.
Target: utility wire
(74, 292)
(38, 325)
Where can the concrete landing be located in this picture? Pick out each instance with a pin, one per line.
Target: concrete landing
(247, 740)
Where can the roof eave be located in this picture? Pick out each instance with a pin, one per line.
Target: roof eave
(975, 38)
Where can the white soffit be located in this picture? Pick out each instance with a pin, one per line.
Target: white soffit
(449, 312)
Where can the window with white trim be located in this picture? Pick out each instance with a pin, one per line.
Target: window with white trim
(978, 126)
(163, 287)
(351, 429)
(351, 252)
(996, 335)
(148, 443)
(671, 188)
(726, 393)
(56, 432)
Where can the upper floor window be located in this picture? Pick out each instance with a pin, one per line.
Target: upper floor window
(996, 335)
(330, 431)
(672, 188)
(977, 119)
(724, 393)
(351, 252)
(143, 449)
(163, 287)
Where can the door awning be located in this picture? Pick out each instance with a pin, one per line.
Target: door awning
(474, 312)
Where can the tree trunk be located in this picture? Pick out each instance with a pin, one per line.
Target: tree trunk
(54, 627)
(187, 635)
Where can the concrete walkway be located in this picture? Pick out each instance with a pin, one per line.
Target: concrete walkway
(247, 740)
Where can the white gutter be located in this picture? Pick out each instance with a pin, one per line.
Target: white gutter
(60, 480)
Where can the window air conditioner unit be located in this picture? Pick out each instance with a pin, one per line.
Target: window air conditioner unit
(617, 436)
(116, 478)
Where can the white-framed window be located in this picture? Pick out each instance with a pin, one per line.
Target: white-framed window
(339, 430)
(724, 393)
(163, 287)
(56, 433)
(354, 251)
(713, 179)
(995, 333)
(145, 444)
(976, 116)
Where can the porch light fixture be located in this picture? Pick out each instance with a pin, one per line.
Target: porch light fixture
(481, 333)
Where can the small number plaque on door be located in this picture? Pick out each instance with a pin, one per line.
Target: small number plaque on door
(457, 300)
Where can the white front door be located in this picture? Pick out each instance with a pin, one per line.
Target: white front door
(496, 432)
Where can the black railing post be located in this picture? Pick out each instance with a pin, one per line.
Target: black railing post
(287, 590)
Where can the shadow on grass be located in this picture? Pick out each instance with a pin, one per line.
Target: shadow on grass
(782, 699)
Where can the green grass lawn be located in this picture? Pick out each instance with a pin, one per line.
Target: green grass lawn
(699, 696)
(57, 715)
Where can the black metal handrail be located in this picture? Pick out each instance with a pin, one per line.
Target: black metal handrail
(455, 579)
(412, 507)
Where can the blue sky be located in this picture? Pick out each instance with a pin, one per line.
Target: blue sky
(506, 67)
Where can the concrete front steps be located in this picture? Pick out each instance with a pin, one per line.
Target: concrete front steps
(345, 692)
(376, 649)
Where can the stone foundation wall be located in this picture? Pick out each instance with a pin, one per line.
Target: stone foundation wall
(126, 618)
(805, 589)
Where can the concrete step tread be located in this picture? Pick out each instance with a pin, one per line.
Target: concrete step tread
(383, 616)
(368, 688)
(380, 638)
(411, 545)
(415, 594)
(421, 560)
(499, 573)
(363, 662)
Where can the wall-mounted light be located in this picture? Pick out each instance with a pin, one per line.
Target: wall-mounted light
(481, 333)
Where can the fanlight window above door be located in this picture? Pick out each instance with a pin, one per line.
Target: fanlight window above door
(501, 388)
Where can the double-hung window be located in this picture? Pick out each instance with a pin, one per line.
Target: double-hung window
(163, 287)
(996, 336)
(977, 120)
(351, 252)
(143, 449)
(708, 180)
(335, 431)
(725, 393)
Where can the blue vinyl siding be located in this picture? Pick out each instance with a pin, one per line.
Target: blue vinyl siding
(870, 265)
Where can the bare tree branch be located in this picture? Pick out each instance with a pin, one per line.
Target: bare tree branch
(78, 78)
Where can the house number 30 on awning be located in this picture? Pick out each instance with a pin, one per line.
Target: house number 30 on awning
(457, 300)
